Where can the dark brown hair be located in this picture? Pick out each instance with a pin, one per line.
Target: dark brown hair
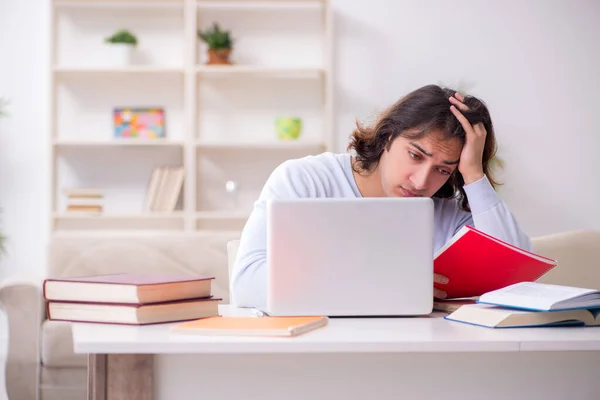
(423, 111)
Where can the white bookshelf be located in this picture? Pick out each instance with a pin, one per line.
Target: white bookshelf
(220, 120)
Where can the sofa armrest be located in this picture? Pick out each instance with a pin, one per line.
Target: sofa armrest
(23, 302)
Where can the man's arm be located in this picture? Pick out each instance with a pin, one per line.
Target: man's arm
(491, 215)
(249, 275)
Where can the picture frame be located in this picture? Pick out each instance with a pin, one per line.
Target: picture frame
(139, 122)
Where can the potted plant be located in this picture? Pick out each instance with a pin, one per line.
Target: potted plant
(219, 42)
(121, 45)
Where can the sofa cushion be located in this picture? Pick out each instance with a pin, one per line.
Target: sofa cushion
(63, 383)
(57, 346)
(191, 253)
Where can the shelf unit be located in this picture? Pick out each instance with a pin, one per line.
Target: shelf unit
(219, 119)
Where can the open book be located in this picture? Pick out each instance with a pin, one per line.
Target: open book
(532, 304)
(536, 296)
(476, 263)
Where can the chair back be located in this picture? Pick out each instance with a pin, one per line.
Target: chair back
(232, 249)
(189, 253)
(578, 255)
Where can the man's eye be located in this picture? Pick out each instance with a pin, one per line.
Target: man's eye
(444, 172)
(414, 155)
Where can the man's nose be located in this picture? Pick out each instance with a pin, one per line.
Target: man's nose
(419, 179)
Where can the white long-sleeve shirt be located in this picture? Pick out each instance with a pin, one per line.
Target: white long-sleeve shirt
(330, 175)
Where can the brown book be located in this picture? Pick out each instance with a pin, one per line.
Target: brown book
(81, 207)
(127, 288)
(451, 305)
(133, 314)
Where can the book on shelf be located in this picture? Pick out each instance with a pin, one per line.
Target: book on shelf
(164, 188)
(528, 304)
(133, 314)
(84, 200)
(477, 263)
(128, 288)
(90, 193)
(252, 326)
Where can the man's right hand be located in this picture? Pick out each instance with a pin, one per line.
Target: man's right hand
(441, 279)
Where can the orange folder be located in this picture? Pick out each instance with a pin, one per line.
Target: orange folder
(252, 326)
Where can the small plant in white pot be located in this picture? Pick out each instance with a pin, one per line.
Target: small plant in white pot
(121, 45)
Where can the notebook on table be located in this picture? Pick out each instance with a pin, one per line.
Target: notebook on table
(252, 326)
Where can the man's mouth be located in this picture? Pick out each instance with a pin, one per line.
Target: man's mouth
(408, 193)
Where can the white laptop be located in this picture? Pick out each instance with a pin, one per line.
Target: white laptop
(350, 256)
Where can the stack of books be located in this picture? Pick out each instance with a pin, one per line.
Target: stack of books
(532, 304)
(131, 299)
(87, 200)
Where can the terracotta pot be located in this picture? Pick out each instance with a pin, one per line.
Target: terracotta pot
(219, 56)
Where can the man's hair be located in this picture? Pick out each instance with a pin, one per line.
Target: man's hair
(419, 113)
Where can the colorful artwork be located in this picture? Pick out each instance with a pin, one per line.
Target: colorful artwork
(139, 122)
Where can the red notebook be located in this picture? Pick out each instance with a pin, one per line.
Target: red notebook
(476, 263)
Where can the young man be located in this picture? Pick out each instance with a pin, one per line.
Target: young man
(432, 142)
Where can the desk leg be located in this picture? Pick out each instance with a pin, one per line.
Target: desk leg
(120, 376)
(96, 377)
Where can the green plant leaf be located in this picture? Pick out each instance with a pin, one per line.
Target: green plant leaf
(2, 244)
(3, 104)
(216, 38)
(122, 36)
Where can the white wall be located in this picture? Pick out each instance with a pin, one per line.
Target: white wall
(24, 161)
(535, 63)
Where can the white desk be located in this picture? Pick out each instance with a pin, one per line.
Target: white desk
(419, 358)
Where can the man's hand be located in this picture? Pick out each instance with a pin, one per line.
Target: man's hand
(471, 159)
(441, 279)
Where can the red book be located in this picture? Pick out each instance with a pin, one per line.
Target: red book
(476, 263)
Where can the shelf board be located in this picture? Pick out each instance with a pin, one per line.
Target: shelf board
(221, 215)
(147, 4)
(61, 70)
(119, 216)
(282, 145)
(221, 220)
(260, 5)
(117, 143)
(292, 72)
(163, 221)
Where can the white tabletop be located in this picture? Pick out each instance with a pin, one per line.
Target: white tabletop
(423, 334)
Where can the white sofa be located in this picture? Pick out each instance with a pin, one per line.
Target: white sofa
(40, 354)
(41, 361)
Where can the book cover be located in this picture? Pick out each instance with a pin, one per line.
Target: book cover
(135, 279)
(477, 263)
(133, 314)
(253, 326)
(490, 316)
(127, 288)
